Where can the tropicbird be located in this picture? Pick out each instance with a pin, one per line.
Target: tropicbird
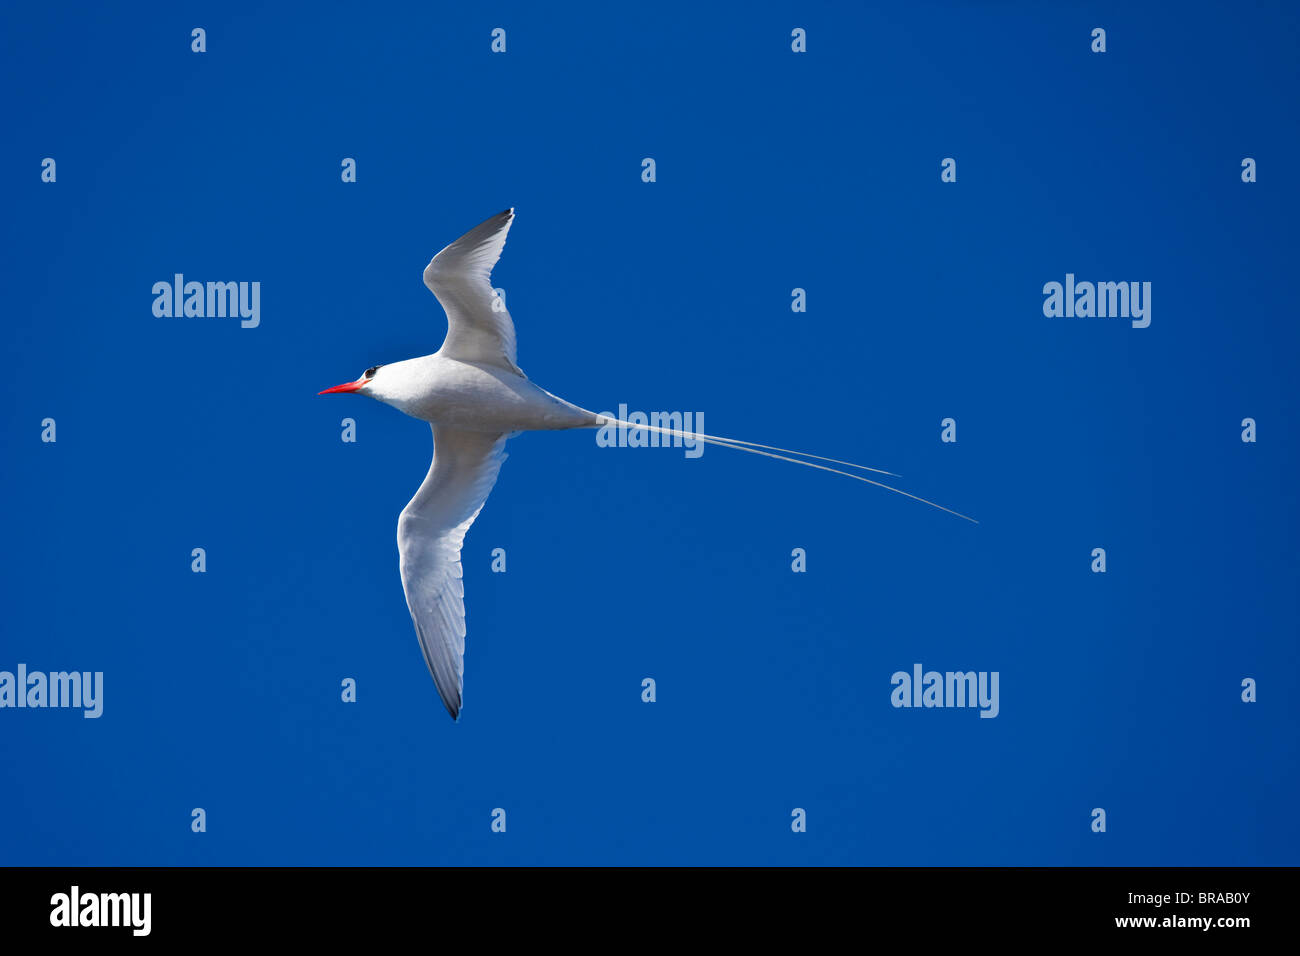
(475, 397)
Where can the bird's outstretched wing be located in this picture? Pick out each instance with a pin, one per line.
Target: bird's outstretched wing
(479, 328)
(429, 536)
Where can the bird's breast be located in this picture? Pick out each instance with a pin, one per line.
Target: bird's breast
(484, 398)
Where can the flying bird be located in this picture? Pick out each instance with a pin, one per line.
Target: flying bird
(475, 396)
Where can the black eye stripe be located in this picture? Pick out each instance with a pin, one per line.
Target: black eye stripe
(369, 373)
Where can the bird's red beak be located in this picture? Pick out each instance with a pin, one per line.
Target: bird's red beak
(345, 387)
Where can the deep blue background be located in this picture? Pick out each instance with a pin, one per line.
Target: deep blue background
(775, 170)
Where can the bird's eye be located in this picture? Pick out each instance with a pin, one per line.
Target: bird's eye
(370, 372)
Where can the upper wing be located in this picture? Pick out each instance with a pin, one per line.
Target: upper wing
(479, 328)
(429, 535)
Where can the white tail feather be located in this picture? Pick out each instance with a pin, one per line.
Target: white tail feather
(717, 439)
(755, 449)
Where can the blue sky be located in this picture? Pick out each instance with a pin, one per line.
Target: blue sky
(774, 171)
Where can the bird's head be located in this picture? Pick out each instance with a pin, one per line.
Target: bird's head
(361, 385)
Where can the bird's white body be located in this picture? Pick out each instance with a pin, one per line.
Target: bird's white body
(475, 396)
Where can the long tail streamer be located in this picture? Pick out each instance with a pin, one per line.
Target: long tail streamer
(769, 451)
